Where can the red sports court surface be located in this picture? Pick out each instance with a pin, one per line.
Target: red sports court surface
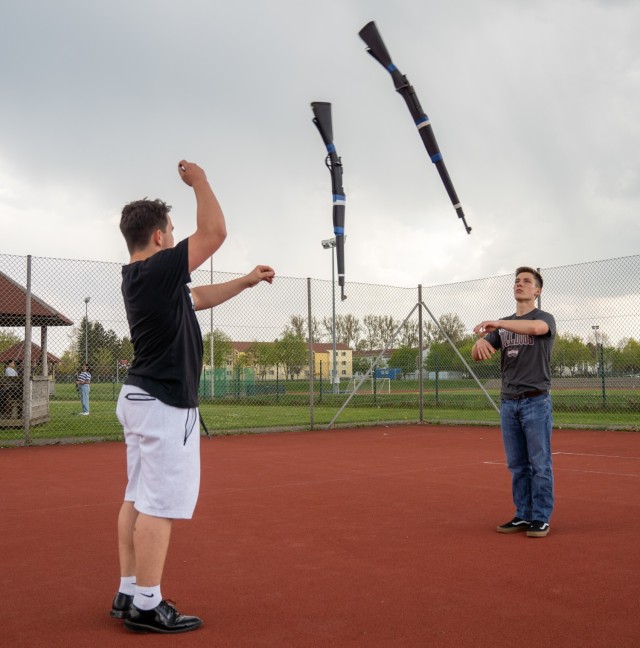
(373, 537)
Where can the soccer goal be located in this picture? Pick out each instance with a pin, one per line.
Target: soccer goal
(382, 386)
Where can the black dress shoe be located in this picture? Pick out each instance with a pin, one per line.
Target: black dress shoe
(121, 604)
(164, 618)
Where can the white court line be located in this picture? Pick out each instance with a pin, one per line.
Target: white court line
(556, 469)
(585, 454)
(599, 472)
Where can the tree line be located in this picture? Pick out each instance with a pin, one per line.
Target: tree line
(572, 355)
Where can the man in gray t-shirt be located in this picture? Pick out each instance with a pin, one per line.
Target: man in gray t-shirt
(525, 340)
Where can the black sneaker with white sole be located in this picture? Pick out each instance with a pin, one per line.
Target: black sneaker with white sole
(513, 526)
(538, 529)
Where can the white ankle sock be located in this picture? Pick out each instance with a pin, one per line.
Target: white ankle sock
(147, 598)
(128, 585)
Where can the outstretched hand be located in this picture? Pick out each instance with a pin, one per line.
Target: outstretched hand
(260, 273)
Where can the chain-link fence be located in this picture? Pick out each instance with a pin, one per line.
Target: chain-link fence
(385, 354)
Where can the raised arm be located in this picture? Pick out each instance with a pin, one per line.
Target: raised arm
(215, 294)
(211, 229)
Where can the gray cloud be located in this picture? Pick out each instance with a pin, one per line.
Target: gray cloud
(534, 106)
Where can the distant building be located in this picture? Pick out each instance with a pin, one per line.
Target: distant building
(323, 353)
(322, 361)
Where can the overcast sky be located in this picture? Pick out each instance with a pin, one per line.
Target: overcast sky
(535, 105)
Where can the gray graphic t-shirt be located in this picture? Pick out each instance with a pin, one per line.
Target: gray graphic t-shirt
(525, 360)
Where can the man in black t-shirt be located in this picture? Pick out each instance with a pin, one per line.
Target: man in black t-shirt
(158, 404)
(525, 340)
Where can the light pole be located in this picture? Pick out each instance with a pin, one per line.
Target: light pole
(600, 361)
(86, 330)
(331, 244)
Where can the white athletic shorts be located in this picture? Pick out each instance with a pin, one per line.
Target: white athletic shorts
(163, 454)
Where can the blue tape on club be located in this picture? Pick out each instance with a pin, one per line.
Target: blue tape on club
(391, 67)
(338, 230)
(331, 148)
(436, 158)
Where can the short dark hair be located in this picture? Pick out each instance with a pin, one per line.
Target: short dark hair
(532, 271)
(140, 219)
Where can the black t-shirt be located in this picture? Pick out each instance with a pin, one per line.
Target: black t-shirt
(167, 342)
(525, 360)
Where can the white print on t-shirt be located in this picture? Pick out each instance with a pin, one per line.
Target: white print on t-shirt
(509, 339)
(513, 352)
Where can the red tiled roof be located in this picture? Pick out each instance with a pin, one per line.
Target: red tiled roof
(13, 304)
(16, 352)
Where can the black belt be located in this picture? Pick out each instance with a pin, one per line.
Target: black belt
(527, 394)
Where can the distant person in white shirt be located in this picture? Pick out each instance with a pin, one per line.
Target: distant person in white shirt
(83, 381)
(11, 369)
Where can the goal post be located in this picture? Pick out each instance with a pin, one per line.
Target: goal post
(381, 386)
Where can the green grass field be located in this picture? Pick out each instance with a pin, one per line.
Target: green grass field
(461, 403)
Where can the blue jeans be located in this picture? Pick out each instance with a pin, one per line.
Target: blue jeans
(84, 397)
(526, 433)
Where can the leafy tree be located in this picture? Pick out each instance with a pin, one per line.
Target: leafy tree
(442, 357)
(126, 350)
(291, 352)
(262, 355)
(404, 358)
(104, 363)
(348, 329)
(243, 360)
(222, 348)
(452, 326)
(630, 357)
(378, 332)
(372, 337)
(569, 354)
(297, 326)
(69, 362)
(316, 331)
(8, 339)
(388, 326)
(361, 364)
(100, 343)
(409, 334)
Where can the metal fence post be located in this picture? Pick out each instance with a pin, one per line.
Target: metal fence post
(26, 374)
(311, 364)
(420, 358)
